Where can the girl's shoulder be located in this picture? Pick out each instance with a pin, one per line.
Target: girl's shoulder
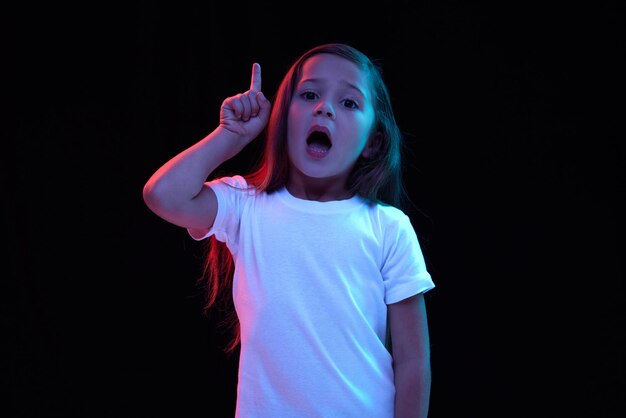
(387, 211)
(390, 219)
(235, 181)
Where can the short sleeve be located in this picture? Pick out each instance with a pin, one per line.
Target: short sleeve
(228, 191)
(404, 268)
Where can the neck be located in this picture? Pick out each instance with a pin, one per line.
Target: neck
(321, 190)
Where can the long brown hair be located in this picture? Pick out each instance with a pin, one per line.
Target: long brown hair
(378, 179)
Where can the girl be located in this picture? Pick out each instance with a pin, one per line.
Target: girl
(323, 266)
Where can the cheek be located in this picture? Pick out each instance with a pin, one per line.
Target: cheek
(365, 127)
(294, 119)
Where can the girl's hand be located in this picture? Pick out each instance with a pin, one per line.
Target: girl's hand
(246, 114)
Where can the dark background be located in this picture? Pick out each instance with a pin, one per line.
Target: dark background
(514, 123)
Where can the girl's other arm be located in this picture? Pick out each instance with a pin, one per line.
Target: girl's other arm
(411, 356)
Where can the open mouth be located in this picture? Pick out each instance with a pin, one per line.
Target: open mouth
(318, 144)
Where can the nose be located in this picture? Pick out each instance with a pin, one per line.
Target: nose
(323, 109)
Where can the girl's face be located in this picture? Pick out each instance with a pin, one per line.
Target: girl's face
(331, 118)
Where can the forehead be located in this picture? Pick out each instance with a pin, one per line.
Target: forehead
(332, 69)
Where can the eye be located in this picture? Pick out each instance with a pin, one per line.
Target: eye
(308, 95)
(351, 104)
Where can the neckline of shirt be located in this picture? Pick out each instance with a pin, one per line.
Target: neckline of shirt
(315, 206)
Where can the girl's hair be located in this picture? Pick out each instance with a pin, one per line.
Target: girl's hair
(378, 179)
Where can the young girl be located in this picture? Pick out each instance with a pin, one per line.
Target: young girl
(323, 266)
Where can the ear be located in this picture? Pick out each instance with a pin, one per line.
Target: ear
(373, 145)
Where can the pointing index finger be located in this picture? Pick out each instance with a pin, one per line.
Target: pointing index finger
(255, 82)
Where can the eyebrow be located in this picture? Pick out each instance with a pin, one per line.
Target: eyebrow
(347, 84)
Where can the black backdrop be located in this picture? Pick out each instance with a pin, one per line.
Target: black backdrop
(515, 163)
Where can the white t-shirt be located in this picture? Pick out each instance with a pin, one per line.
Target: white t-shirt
(311, 287)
